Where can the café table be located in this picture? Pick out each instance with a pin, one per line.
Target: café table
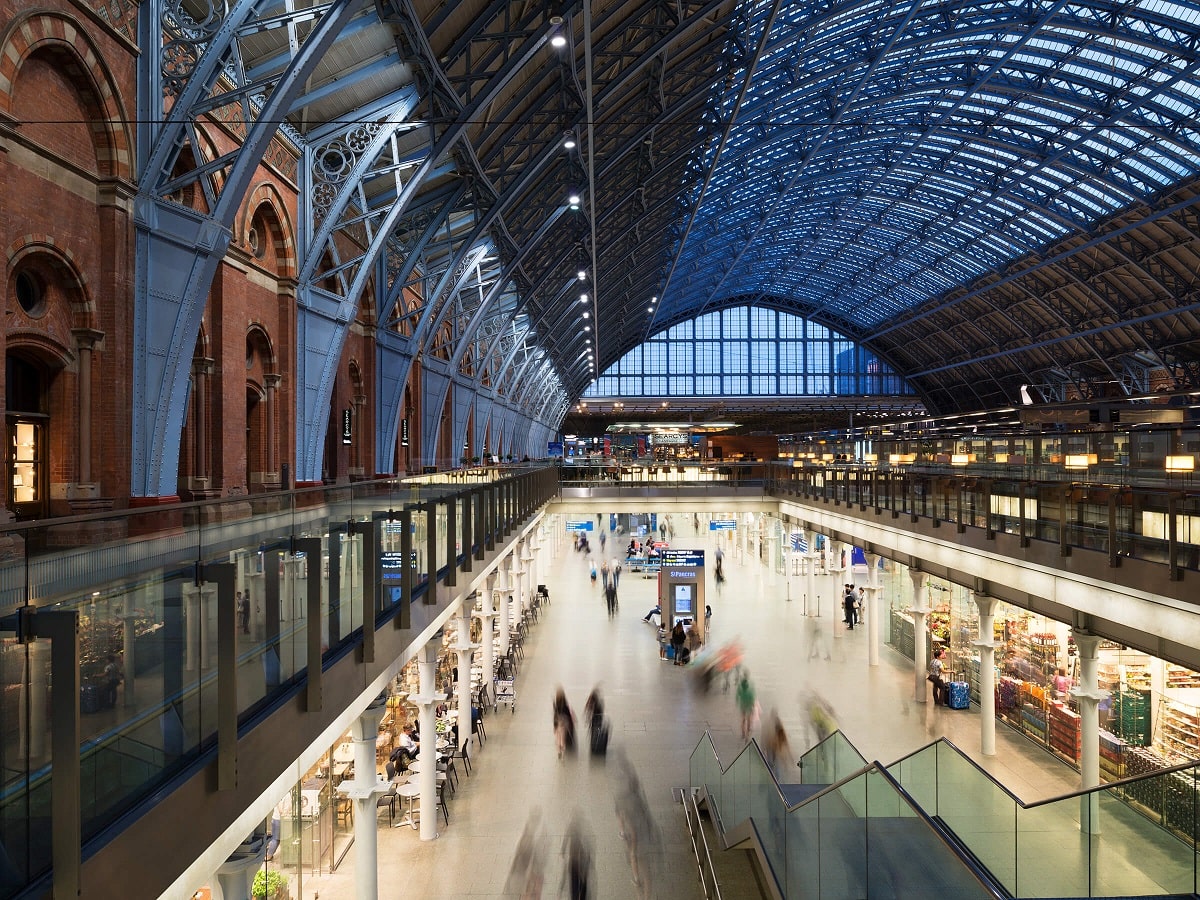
(406, 792)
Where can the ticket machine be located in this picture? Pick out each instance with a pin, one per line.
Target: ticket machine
(681, 589)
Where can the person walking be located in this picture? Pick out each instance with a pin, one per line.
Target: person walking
(610, 597)
(604, 573)
(603, 538)
(564, 724)
(746, 703)
(616, 573)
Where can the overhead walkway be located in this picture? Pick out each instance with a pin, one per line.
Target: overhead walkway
(935, 824)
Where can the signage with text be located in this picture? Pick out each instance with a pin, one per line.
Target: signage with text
(682, 559)
(579, 524)
(347, 431)
(722, 524)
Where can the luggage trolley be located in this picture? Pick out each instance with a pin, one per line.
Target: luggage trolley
(506, 693)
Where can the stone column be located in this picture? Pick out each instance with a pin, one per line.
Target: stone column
(271, 385)
(872, 605)
(487, 618)
(364, 789)
(85, 342)
(528, 568)
(810, 576)
(503, 586)
(516, 604)
(986, 645)
(1088, 696)
(129, 657)
(427, 777)
(466, 653)
(919, 611)
(202, 370)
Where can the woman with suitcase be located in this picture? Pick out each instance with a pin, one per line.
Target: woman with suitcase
(941, 694)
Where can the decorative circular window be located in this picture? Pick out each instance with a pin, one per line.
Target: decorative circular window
(255, 242)
(30, 295)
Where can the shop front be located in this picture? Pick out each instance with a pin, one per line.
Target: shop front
(1150, 720)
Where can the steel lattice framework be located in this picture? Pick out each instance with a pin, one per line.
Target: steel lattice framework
(983, 194)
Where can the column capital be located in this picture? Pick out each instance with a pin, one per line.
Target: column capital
(204, 365)
(366, 726)
(1088, 643)
(1091, 697)
(918, 577)
(985, 644)
(987, 605)
(87, 338)
(271, 380)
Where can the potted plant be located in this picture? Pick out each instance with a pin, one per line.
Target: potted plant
(270, 885)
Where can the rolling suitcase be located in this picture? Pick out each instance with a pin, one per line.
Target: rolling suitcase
(959, 695)
(89, 698)
(600, 739)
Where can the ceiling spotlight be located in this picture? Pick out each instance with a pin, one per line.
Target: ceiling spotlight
(583, 298)
(581, 275)
(653, 299)
(573, 199)
(558, 40)
(569, 142)
(649, 309)
(587, 327)
(586, 314)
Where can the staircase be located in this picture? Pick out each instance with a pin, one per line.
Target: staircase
(930, 824)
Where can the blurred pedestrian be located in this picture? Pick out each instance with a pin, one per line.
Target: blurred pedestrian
(637, 829)
(604, 574)
(527, 875)
(564, 724)
(610, 597)
(775, 747)
(746, 704)
(821, 722)
(577, 873)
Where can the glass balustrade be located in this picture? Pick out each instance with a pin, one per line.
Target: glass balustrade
(146, 587)
(935, 824)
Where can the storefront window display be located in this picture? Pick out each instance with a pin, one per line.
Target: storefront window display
(1150, 720)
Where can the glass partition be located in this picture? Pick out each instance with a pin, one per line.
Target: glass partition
(145, 587)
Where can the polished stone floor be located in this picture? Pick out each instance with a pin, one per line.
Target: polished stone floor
(657, 718)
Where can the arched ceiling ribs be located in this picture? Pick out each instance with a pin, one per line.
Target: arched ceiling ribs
(1015, 272)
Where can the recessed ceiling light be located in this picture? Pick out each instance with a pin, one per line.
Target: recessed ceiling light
(582, 275)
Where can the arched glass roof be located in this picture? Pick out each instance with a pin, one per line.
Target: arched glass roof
(885, 153)
(985, 194)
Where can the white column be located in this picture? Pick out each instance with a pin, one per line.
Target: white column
(427, 777)
(364, 789)
(810, 576)
(535, 555)
(516, 604)
(919, 611)
(986, 645)
(487, 618)
(503, 585)
(872, 604)
(528, 570)
(465, 650)
(1088, 696)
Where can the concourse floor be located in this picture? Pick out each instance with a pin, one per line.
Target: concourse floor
(657, 718)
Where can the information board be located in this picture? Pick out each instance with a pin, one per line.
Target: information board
(722, 524)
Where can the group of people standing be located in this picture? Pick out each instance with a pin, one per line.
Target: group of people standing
(852, 606)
